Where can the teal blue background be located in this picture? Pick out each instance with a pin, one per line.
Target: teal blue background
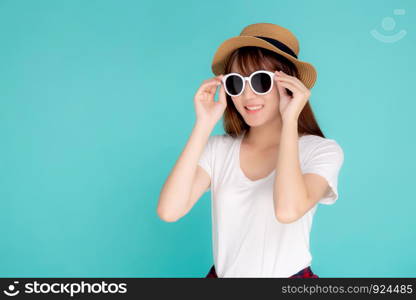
(97, 105)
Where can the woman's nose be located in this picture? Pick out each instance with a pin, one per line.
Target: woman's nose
(248, 92)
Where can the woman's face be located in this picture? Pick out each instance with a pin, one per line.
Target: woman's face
(270, 104)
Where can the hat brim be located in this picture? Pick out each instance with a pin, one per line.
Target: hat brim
(307, 72)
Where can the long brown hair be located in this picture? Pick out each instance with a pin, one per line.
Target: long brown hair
(250, 59)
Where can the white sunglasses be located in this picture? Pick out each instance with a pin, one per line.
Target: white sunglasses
(261, 82)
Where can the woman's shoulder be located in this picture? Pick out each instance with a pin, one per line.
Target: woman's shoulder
(221, 143)
(315, 142)
(223, 140)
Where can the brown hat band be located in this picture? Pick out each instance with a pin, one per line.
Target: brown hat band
(279, 45)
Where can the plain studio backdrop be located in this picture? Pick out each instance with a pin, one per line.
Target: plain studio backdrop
(97, 105)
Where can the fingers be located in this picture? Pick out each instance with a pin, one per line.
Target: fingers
(211, 89)
(218, 80)
(282, 91)
(291, 82)
(222, 97)
(210, 85)
(301, 88)
(289, 85)
(281, 76)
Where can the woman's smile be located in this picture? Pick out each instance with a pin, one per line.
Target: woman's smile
(252, 109)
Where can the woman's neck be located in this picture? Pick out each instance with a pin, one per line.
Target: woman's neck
(265, 136)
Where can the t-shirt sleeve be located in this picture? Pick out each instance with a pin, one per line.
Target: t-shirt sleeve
(326, 160)
(206, 159)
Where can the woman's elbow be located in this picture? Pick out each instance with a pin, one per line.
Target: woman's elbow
(285, 217)
(166, 216)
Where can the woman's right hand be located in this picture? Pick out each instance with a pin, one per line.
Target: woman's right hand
(207, 110)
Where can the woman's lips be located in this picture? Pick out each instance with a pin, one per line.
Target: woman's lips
(255, 110)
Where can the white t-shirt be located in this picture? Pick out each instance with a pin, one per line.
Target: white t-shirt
(248, 240)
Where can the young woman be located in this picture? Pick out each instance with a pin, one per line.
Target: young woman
(270, 169)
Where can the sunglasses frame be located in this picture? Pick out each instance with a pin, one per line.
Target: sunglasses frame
(271, 74)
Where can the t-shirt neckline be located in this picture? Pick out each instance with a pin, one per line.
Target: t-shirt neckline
(238, 165)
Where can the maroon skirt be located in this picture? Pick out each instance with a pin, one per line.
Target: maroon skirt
(304, 273)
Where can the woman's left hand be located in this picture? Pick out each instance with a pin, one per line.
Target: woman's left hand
(291, 106)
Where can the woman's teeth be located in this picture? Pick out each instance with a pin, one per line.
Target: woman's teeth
(254, 108)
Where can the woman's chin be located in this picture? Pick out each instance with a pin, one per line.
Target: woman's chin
(255, 123)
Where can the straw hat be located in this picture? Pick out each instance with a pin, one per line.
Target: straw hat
(269, 36)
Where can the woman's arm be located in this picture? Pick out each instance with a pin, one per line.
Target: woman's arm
(187, 182)
(294, 193)
(175, 195)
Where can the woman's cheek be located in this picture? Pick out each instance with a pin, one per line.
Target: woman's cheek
(273, 108)
(239, 108)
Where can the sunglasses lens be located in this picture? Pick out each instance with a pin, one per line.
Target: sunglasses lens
(234, 84)
(261, 82)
